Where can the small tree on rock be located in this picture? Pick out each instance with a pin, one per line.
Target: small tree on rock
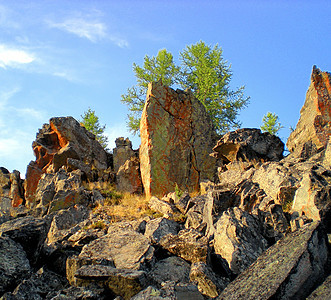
(270, 123)
(91, 122)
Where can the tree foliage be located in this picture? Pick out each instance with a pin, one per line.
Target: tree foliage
(203, 70)
(270, 123)
(91, 122)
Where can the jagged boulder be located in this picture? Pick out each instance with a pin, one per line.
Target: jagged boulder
(290, 269)
(249, 145)
(176, 140)
(28, 231)
(313, 130)
(61, 143)
(238, 239)
(14, 265)
(122, 152)
(156, 229)
(128, 177)
(11, 186)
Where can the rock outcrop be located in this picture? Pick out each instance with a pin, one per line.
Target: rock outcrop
(63, 143)
(176, 140)
(313, 130)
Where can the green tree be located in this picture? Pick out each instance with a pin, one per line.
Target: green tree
(91, 122)
(203, 70)
(208, 75)
(270, 123)
(161, 67)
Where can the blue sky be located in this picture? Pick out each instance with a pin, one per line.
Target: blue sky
(58, 58)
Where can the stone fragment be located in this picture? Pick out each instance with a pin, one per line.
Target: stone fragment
(290, 269)
(161, 206)
(209, 284)
(123, 282)
(28, 231)
(159, 227)
(127, 248)
(238, 239)
(80, 293)
(122, 152)
(188, 244)
(249, 145)
(173, 269)
(176, 140)
(314, 127)
(323, 292)
(64, 223)
(14, 265)
(11, 186)
(128, 177)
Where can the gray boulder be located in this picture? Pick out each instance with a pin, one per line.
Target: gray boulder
(28, 231)
(159, 227)
(14, 265)
(290, 269)
(238, 239)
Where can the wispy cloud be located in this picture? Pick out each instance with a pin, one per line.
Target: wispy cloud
(93, 30)
(14, 57)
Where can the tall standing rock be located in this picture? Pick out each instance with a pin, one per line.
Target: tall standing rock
(314, 127)
(176, 140)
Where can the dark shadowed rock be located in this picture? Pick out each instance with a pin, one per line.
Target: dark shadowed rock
(249, 145)
(80, 293)
(29, 232)
(14, 265)
(313, 130)
(323, 292)
(188, 244)
(288, 270)
(173, 269)
(176, 140)
(209, 284)
(158, 228)
(238, 239)
(123, 282)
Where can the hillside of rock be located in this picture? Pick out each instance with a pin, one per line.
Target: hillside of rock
(224, 218)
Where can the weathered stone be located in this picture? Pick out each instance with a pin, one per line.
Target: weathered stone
(209, 284)
(161, 206)
(176, 140)
(150, 293)
(11, 186)
(128, 177)
(314, 126)
(188, 244)
(122, 282)
(238, 239)
(29, 232)
(249, 145)
(172, 268)
(313, 197)
(290, 269)
(323, 292)
(39, 285)
(158, 228)
(127, 248)
(14, 265)
(122, 152)
(62, 139)
(64, 223)
(80, 293)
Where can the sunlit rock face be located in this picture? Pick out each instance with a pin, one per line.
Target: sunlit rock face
(314, 127)
(62, 143)
(176, 140)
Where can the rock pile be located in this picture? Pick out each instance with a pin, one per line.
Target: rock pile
(258, 231)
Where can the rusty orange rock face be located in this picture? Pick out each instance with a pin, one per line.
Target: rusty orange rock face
(173, 148)
(315, 117)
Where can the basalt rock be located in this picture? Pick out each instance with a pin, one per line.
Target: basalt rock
(290, 269)
(122, 152)
(59, 144)
(176, 140)
(313, 130)
(249, 145)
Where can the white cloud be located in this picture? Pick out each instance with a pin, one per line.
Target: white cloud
(92, 30)
(11, 57)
